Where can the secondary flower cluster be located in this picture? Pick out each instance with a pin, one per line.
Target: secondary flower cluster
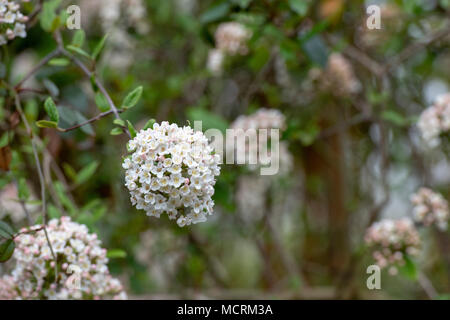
(11, 21)
(81, 265)
(393, 240)
(172, 170)
(339, 75)
(430, 208)
(264, 119)
(231, 38)
(133, 12)
(435, 120)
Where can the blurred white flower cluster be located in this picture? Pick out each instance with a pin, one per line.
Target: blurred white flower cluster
(75, 249)
(339, 75)
(172, 170)
(430, 208)
(393, 240)
(264, 119)
(12, 21)
(231, 39)
(116, 18)
(435, 120)
(133, 12)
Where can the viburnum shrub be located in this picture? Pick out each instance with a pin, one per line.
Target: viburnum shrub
(342, 132)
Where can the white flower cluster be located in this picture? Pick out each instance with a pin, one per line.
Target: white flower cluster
(81, 265)
(133, 12)
(230, 38)
(172, 170)
(435, 120)
(264, 119)
(12, 21)
(393, 240)
(339, 75)
(116, 17)
(430, 208)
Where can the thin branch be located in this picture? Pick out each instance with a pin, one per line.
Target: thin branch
(97, 117)
(41, 177)
(27, 231)
(363, 59)
(427, 286)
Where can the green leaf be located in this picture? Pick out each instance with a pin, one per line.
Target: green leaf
(63, 198)
(86, 128)
(59, 62)
(299, 6)
(86, 173)
(116, 253)
(52, 111)
(101, 102)
(80, 51)
(116, 131)
(132, 98)
(119, 122)
(99, 47)
(93, 83)
(46, 124)
(78, 38)
(6, 250)
(394, 117)
(51, 87)
(69, 171)
(316, 49)
(6, 231)
(4, 139)
(73, 117)
(49, 18)
(23, 191)
(131, 129)
(149, 124)
(53, 212)
(409, 270)
(215, 13)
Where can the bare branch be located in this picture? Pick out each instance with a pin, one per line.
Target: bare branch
(97, 117)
